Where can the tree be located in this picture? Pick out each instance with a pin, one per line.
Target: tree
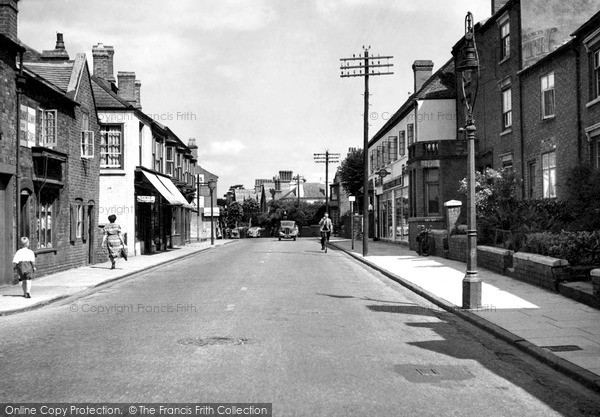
(251, 209)
(235, 212)
(351, 172)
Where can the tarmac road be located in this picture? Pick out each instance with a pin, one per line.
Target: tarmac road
(279, 322)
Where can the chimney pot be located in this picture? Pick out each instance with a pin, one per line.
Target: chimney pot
(59, 53)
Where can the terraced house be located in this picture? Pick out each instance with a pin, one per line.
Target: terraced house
(147, 173)
(49, 164)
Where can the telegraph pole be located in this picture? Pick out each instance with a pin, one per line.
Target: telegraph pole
(298, 178)
(327, 158)
(365, 69)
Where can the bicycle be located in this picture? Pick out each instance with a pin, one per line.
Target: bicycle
(425, 241)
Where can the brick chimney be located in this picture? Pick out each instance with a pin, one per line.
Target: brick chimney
(285, 176)
(193, 147)
(59, 53)
(422, 70)
(8, 18)
(103, 62)
(127, 86)
(138, 87)
(497, 5)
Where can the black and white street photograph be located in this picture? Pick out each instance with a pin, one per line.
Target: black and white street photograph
(300, 208)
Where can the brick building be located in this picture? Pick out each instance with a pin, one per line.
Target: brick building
(408, 155)
(53, 181)
(147, 174)
(527, 110)
(587, 45)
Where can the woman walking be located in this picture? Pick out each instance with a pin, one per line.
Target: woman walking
(114, 241)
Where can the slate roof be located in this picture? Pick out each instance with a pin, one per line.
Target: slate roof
(105, 97)
(310, 190)
(63, 76)
(441, 85)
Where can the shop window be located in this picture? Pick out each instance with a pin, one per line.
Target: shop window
(45, 212)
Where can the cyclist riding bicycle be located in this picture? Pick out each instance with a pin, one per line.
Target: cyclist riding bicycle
(325, 229)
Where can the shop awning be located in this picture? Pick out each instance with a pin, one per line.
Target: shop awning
(160, 186)
(175, 192)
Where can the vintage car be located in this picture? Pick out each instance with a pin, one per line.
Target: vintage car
(288, 230)
(253, 232)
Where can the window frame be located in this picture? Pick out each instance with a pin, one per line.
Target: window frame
(549, 175)
(54, 134)
(505, 39)
(546, 89)
(410, 133)
(506, 108)
(45, 204)
(428, 183)
(105, 147)
(595, 63)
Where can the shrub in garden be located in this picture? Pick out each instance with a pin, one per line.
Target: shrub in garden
(579, 248)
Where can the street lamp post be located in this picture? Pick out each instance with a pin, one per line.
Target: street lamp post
(212, 184)
(469, 70)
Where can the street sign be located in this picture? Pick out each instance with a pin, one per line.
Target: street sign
(351, 198)
(146, 199)
(215, 211)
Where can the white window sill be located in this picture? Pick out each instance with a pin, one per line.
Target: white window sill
(503, 60)
(552, 117)
(112, 171)
(593, 102)
(506, 131)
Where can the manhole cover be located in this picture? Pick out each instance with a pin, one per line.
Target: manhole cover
(432, 373)
(211, 341)
(562, 348)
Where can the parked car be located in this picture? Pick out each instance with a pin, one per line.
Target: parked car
(253, 232)
(288, 230)
(234, 233)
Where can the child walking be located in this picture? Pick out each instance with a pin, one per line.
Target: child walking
(24, 264)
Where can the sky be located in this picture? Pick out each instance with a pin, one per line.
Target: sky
(257, 82)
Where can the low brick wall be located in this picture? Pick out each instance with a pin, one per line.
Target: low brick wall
(543, 271)
(495, 259)
(457, 248)
(595, 274)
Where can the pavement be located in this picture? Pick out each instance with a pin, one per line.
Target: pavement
(557, 330)
(51, 288)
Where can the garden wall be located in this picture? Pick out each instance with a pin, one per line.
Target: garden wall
(543, 271)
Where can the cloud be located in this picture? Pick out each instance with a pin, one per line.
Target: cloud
(228, 147)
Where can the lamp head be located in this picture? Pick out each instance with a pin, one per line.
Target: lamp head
(470, 60)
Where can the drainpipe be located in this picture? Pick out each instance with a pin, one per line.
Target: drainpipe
(20, 83)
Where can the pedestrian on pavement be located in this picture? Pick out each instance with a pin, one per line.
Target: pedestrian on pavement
(114, 241)
(24, 264)
(325, 229)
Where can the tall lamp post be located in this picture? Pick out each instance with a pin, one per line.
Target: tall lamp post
(469, 70)
(212, 184)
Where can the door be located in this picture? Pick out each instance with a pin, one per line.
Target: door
(6, 230)
(90, 221)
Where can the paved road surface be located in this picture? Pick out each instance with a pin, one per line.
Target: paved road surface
(315, 334)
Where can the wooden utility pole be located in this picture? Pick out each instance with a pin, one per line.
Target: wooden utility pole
(327, 158)
(367, 66)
